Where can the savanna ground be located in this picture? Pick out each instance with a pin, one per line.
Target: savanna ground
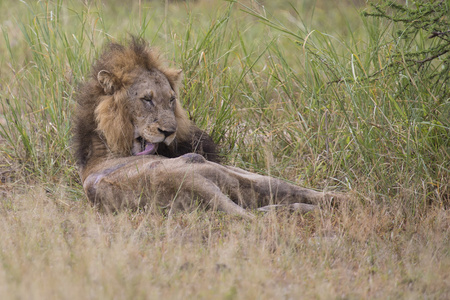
(296, 90)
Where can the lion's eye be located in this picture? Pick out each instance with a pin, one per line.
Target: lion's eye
(148, 98)
(172, 100)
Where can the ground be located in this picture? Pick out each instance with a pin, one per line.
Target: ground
(54, 249)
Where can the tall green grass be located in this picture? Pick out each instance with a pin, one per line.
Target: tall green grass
(385, 133)
(286, 91)
(38, 102)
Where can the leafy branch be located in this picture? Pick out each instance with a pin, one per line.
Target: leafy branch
(423, 18)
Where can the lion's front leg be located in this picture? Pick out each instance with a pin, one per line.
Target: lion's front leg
(210, 194)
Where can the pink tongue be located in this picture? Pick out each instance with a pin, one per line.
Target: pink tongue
(149, 149)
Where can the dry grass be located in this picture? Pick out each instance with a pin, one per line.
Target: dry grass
(67, 250)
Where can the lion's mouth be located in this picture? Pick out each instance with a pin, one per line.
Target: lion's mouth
(146, 147)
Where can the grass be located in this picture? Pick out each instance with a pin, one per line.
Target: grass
(286, 90)
(52, 249)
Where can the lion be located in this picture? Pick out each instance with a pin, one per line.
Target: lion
(136, 147)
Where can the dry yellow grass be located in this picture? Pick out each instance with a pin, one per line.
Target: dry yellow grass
(53, 248)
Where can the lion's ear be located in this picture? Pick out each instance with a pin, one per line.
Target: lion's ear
(108, 82)
(174, 76)
(178, 75)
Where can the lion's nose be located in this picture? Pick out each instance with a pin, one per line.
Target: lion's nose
(166, 132)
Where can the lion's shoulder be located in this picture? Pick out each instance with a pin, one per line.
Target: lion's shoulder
(198, 142)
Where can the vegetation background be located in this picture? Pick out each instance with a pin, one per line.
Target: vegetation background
(310, 91)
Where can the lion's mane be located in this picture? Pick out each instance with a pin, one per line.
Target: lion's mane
(102, 126)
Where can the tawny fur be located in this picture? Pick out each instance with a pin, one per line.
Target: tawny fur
(136, 147)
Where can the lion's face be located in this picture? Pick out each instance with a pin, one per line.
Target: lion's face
(140, 110)
(151, 104)
(135, 103)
